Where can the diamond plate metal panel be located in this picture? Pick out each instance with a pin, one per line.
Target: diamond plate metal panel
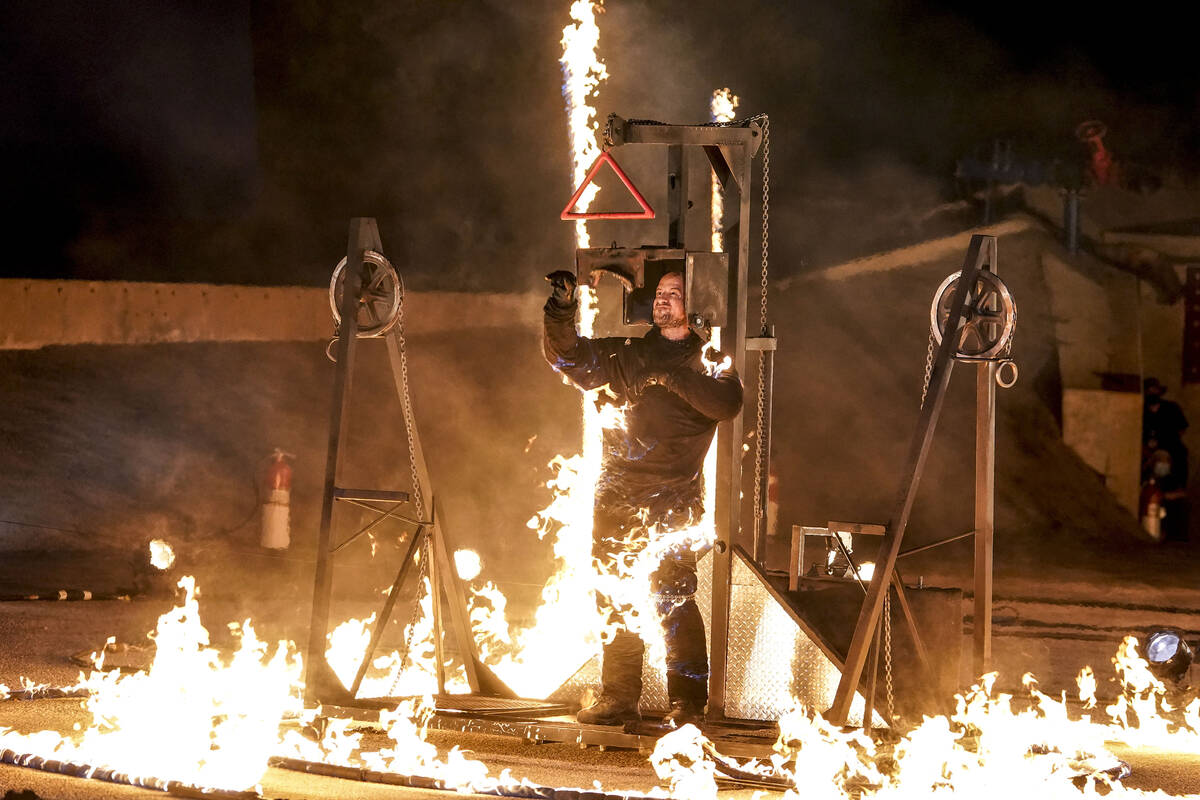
(770, 661)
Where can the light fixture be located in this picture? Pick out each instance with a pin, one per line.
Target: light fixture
(1169, 655)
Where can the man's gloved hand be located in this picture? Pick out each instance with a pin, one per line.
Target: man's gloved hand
(650, 377)
(562, 287)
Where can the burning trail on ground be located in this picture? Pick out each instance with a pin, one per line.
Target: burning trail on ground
(198, 716)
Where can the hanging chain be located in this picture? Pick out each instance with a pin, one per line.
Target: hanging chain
(766, 207)
(759, 451)
(422, 573)
(928, 369)
(887, 655)
(406, 403)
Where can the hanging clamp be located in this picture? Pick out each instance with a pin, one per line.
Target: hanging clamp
(764, 343)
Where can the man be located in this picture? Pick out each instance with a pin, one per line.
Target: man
(651, 476)
(1163, 424)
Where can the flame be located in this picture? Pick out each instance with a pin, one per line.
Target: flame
(679, 761)
(162, 555)
(346, 645)
(722, 107)
(197, 716)
(1032, 746)
(582, 72)
(467, 564)
(566, 625)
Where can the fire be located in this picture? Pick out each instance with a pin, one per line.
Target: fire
(679, 761)
(162, 555)
(583, 72)
(566, 626)
(722, 107)
(408, 673)
(467, 564)
(197, 716)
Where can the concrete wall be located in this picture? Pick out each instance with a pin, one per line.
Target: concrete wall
(1105, 429)
(44, 313)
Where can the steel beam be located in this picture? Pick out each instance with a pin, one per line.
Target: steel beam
(364, 235)
(766, 374)
(985, 512)
(747, 137)
(677, 196)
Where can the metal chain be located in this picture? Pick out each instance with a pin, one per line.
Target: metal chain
(406, 402)
(759, 454)
(887, 655)
(928, 369)
(766, 206)
(422, 572)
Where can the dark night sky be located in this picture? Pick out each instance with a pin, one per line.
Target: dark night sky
(230, 141)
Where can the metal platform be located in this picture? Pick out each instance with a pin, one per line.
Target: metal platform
(775, 657)
(538, 722)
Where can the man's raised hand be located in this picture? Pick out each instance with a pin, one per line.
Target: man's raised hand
(562, 287)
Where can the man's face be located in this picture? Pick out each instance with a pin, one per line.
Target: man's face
(668, 302)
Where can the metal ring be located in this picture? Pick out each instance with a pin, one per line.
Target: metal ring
(1008, 362)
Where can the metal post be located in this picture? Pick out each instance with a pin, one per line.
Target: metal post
(872, 680)
(1071, 220)
(759, 550)
(728, 511)
(677, 196)
(364, 235)
(435, 590)
(985, 508)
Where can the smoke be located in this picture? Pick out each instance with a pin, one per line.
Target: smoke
(232, 142)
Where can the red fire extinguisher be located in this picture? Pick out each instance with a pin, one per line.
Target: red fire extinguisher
(277, 498)
(1152, 511)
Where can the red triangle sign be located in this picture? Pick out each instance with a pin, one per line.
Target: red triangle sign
(646, 213)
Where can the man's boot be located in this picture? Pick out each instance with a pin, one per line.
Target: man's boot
(609, 710)
(621, 683)
(689, 696)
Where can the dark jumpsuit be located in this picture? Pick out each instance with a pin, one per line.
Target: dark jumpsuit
(651, 474)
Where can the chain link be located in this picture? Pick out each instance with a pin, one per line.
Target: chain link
(887, 655)
(928, 369)
(759, 451)
(406, 403)
(422, 572)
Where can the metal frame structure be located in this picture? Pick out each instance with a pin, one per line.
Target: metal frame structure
(730, 151)
(321, 685)
(981, 256)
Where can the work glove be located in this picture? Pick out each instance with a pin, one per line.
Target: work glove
(650, 377)
(562, 287)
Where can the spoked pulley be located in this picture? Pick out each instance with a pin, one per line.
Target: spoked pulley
(989, 317)
(379, 303)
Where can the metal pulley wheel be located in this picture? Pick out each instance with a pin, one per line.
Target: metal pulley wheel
(989, 317)
(379, 303)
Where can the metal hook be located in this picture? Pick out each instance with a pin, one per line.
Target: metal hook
(1008, 362)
